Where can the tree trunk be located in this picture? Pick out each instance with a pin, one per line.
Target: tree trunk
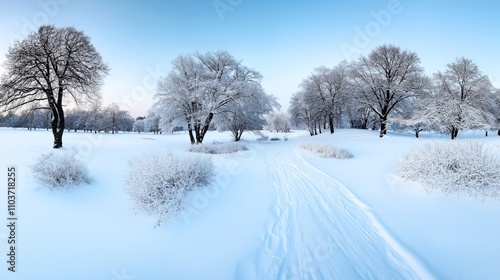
(55, 123)
(330, 123)
(60, 127)
(486, 133)
(383, 126)
(190, 132)
(498, 132)
(417, 133)
(201, 132)
(454, 133)
(238, 135)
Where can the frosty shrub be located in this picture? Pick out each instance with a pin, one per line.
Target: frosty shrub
(159, 183)
(60, 171)
(451, 168)
(218, 148)
(323, 150)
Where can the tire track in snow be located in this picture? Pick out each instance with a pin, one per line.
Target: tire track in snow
(321, 231)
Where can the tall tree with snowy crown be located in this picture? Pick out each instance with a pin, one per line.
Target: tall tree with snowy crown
(49, 65)
(462, 97)
(386, 77)
(200, 86)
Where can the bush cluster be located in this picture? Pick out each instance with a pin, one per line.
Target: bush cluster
(218, 148)
(451, 168)
(60, 170)
(324, 150)
(159, 183)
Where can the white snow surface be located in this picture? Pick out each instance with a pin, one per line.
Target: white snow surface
(274, 212)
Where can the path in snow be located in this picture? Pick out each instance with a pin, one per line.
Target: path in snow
(321, 231)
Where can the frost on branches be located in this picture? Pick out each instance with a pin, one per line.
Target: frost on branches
(159, 183)
(454, 167)
(60, 171)
(201, 86)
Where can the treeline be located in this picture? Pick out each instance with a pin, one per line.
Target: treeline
(110, 119)
(389, 89)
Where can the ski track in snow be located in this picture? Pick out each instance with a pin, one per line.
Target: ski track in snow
(321, 231)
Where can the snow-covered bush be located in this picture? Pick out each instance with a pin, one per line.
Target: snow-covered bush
(60, 170)
(159, 183)
(451, 168)
(323, 150)
(218, 148)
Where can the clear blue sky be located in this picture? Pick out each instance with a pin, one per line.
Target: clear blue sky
(283, 40)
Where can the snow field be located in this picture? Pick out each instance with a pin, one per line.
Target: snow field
(274, 212)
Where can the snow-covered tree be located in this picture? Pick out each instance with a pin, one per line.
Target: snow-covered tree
(385, 78)
(277, 121)
(461, 99)
(200, 86)
(115, 119)
(52, 65)
(94, 121)
(305, 110)
(33, 117)
(152, 122)
(358, 114)
(246, 114)
(330, 85)
(11, 120)
(138, 125)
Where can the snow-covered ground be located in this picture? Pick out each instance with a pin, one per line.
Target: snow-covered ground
(274, 212)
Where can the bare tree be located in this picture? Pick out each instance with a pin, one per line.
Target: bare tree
(386, 77)
(49, 65)
(330, 85)
(199, 86)
(305, 110)
(115, 119)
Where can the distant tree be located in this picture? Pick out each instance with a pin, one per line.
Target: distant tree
(49, 65)
(200, 86)
(246, 114)
(330, 85)
(277, 121)
(33, 117)
(11, 120)
(385, 78)
(138, 125)
(94, 120)
(461, 99)
(305, 110)
(115, 119)
(411, 115)
(152, 122)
